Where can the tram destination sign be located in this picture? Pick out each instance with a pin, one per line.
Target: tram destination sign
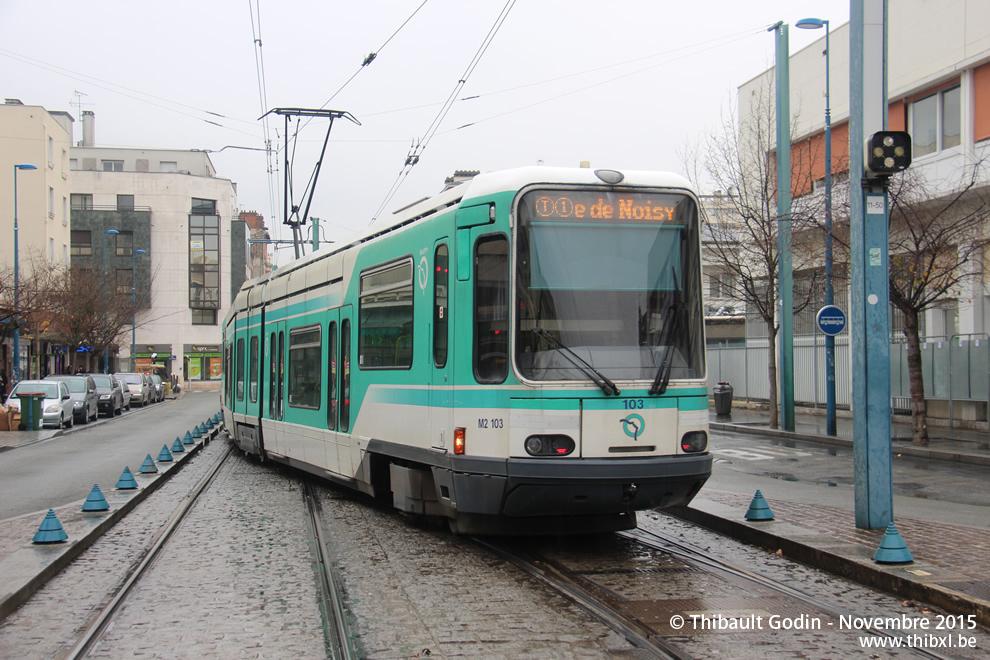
(831, 320)
(595, 205)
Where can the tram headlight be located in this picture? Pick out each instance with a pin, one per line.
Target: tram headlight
(549, 445)
(694, 441)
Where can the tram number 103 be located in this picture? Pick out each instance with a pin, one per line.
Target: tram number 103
(633, 404)
(492, 423)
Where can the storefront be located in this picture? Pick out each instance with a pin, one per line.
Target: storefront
(154, 358)
(203, 362)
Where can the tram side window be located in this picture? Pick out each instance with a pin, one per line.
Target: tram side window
(271, 376)
(491, 309)
(240, 369)
(281, 373)
(227, 389)
(385, 325)
(332, 376)
(304, 367)
(441, 311)
(345, 376)
(253, 370)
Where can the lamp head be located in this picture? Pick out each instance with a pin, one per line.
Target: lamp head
(111, 231)
(139, 251)
(26, 166)
(811, 23)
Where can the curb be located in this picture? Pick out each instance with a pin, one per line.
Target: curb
(63, 555)
(847, 560)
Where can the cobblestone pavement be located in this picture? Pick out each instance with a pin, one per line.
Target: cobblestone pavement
(414, 590)
(236, 580)
(50, 621)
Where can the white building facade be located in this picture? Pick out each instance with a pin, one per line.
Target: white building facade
(172, 205)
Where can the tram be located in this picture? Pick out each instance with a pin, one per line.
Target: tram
(521, 354)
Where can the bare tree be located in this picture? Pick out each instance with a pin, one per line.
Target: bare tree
(743, 239)
(936, 246)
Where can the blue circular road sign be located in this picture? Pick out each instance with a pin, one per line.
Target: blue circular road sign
(831, 320)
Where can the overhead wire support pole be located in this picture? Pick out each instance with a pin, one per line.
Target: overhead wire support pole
(288, 113)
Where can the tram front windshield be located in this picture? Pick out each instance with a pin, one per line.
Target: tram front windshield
(610, 278)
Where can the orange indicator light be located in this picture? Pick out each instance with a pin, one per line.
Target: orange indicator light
(459, 440)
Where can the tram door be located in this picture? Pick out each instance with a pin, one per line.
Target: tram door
(442, 388)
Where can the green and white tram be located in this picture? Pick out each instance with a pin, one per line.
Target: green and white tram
(523, 353)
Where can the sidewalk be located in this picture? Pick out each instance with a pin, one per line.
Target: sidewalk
(949, 568)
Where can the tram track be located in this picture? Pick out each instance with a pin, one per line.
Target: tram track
(93, 632)
(646, 621)
(342, 644)
(687, 552)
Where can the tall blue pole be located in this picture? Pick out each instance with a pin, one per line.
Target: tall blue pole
(869, 261)
(15, 368)
(814, 24)
(784, 264)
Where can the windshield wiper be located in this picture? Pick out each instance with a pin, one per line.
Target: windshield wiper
(607, 386)
(671, 322)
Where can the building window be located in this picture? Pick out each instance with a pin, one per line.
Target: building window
(51, 203)
(73, 163)
(51, 151)
(51, 250)
(81, 202)
(168, 166)
(112, 165)
(720, 285)
(125, 281)
(125, 202)
(204, 316)
(65, 212)
(204, 255)
(125, 243)
(82, 243)
(936, 122)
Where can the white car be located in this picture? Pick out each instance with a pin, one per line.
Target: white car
(56, 410)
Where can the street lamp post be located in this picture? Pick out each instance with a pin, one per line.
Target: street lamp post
(106, 298)
(134, 309)
(814, 24)
(15, 369)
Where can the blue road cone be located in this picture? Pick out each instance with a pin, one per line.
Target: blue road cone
(177, 447)
(164, 456)
(96, 501)
(759, 509)
(892, 548)
(196, 433)
(218, 418)
(208, 423)
(126, 481)
(51, 530)
(187, 439)
(148, 467)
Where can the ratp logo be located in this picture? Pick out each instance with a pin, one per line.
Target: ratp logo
(633, 425)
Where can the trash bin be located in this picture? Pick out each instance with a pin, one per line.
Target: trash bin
(723, 399)
(32, 404)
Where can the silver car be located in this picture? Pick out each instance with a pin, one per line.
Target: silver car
(141, 393)
(82, 389)
(56, 410)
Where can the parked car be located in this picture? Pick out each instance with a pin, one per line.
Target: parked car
(111, 401)
(126, 392)
(85, 401)
(56, 410)
(139, 385)
(159, 387)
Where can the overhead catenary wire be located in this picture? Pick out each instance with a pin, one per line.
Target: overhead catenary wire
(420, 145)
(270, 155)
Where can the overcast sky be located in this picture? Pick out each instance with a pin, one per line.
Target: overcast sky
(622, 84)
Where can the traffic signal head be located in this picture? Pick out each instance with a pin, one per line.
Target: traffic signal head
(888, 152)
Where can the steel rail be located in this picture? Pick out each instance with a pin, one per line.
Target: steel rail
(633, 630)
(696, 555)
(340, 638)
(96, 629)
